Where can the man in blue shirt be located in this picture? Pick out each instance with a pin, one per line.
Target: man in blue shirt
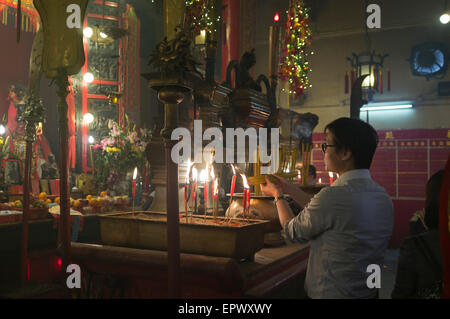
(348, 224)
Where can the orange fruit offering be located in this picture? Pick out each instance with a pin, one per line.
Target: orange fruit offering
(89, 197)
(43, 196)
(76, 203)
(57, 200)
(104, 194)
(48, 201)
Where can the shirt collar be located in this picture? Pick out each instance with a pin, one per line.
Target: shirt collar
(353, 174)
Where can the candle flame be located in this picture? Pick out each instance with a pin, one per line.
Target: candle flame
(216, 188)
(330, 174)
(213, 176)
(320, 180)
(194, 175)
(135, 174)
(203, 176)
(189, 165)
(244, 178)
(234, 171)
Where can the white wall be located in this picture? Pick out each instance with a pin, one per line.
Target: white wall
(339, 31)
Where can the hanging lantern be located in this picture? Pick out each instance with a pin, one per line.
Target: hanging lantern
(63, 42)
(369, 64)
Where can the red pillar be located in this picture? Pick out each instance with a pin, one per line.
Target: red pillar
(231, 33)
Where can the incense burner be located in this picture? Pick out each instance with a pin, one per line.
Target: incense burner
(205, 235)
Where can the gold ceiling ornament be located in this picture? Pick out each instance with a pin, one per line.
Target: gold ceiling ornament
(63, 43)
(114, 97)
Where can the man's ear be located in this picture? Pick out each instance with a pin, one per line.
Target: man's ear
(346, 155)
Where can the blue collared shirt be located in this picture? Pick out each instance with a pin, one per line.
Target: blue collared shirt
(349, 226)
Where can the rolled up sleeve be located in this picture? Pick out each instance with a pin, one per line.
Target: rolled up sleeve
(313, 220)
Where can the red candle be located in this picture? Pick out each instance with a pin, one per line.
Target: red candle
(204, 178)
(134, 182)
(215, 198)
(213, 186)
(248, 202)
(194, 188)
(186, 190)
(246, 197)
(134, 186)
(233, 186)
(244, 202)
(206, 196)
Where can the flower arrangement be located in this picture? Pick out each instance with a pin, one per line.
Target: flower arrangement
(119, 153)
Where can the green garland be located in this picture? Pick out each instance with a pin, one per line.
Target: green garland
(294, 62)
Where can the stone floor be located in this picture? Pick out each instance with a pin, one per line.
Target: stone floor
(388, 273)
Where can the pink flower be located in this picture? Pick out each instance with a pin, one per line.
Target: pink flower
(96, 147)
(132, 137)
(107, 142)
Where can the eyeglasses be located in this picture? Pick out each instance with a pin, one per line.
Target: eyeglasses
(325, 146)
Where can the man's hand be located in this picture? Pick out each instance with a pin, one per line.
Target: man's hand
(301, 197)
(271, 189)
(285, 186)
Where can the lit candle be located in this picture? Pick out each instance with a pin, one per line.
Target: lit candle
(246, 196)
(134, 186)
(186, 188)
(299, 177)
(204, 179)
(216, 197)
(320, 180)
(330, 174)
(214, 186)
(194, 189)
(233, 184)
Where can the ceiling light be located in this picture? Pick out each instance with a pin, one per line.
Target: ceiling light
(386, 106)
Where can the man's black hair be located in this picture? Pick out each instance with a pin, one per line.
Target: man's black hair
(433, 191)
(358, 137)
